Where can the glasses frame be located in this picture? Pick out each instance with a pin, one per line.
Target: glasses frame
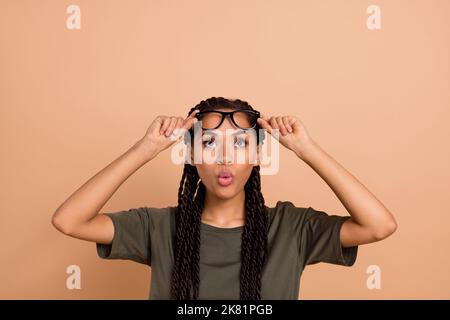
(224, 114)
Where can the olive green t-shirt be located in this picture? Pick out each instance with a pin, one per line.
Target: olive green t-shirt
(297, 237)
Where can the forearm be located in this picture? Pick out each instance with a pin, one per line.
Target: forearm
(366, 210)
(86, 201)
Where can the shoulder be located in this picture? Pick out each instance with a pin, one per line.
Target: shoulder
(160, 215)
(286, 207)
(160, 212)
(286, 212)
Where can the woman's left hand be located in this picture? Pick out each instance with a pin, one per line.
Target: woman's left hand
(292, 133)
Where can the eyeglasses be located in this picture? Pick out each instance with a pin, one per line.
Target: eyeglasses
(243, 119)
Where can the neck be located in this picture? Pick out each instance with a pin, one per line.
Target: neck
(226, 213)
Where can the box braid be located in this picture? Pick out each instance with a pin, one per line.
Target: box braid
(191, 196)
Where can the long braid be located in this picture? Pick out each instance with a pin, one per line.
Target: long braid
(185, 280)
(255, 233)
(182, 275)
(198, 207)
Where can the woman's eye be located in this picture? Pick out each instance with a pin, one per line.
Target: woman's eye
(211, 143)
(241, 142)
(206, 143)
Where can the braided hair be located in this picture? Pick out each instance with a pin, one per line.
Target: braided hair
(191, 197)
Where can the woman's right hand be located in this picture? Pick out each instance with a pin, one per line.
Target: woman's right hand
(160, 134)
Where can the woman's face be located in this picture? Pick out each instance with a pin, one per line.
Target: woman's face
(228, 155)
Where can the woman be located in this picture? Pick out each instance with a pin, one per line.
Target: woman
(221, 241)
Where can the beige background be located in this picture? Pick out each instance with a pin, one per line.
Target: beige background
(73, 100)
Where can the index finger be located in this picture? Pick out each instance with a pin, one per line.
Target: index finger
(189, 121)
(192, 115)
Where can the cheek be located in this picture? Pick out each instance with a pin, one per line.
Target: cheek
(243, 173)
(206, 173)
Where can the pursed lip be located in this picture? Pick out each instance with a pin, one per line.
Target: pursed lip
(225, 174)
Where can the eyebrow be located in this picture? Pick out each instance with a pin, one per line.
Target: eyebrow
(215, 134)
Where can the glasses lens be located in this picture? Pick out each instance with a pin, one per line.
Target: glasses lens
(245, 119)
(210, 120)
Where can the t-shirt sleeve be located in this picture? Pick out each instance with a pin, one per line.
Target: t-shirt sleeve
(320, 239)
(131, 236)
(318, 236)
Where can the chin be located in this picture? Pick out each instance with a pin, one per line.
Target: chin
(225, 192)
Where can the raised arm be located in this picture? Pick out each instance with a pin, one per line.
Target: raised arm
(78, 215)
(370, 220)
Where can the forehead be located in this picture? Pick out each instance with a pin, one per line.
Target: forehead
(221, 131)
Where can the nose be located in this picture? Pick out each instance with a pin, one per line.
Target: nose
(220, 161)
(225, 157)
(226, 154)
